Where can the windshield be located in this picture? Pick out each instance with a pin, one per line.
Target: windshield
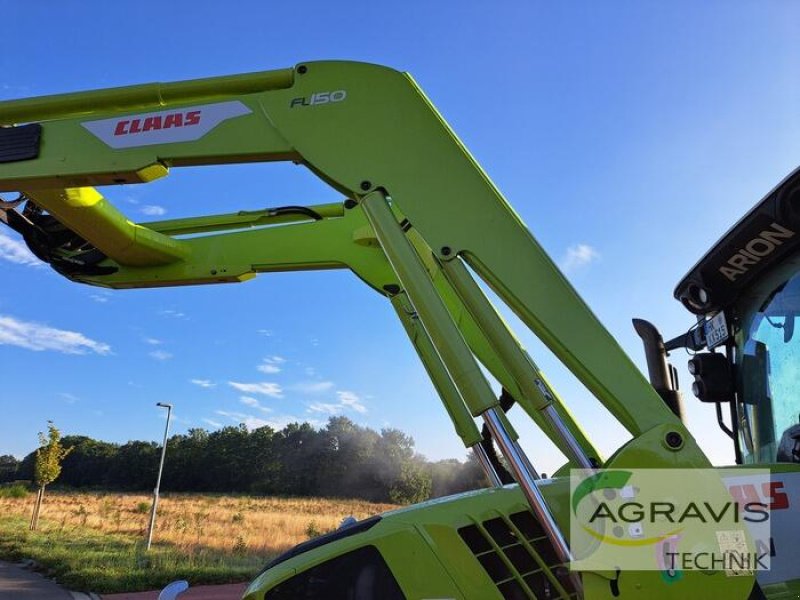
(768, 357)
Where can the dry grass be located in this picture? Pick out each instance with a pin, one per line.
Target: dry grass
(237, 525)
(95, 541)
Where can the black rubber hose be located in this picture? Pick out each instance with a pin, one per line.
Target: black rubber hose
(295, 210)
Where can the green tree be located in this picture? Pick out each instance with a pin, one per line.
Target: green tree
(344, 460)
(185, 469)
(451, 476)
(412, 485)
(8, 468)
(263, 467)
(89, 462)
(47, 467)
(229, 463)
(297, 453)
(135, 466)
(399, 469)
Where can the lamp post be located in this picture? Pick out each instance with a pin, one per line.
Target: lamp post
(158, 479)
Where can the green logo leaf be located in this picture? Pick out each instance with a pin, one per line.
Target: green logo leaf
(599, 481)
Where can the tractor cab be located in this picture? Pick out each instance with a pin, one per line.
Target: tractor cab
(745, 293)
(767, 368)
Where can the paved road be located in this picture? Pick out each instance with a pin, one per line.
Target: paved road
(202, 592)
(19, 584)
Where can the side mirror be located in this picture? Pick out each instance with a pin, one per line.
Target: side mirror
(712, 377)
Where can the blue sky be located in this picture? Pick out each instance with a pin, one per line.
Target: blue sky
(629, 136)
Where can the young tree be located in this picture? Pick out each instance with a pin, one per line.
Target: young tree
(47, 467)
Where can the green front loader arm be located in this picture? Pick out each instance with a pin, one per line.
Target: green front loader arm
(340, 239)
(360, 128)
(419, 218)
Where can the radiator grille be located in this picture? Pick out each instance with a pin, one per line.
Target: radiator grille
(516, 554)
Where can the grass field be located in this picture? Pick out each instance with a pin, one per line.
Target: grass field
(94, 541)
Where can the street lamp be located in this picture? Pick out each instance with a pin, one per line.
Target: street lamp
(158, 480)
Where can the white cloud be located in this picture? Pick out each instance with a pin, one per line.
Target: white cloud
(250, 421)
(68, 398)
(17, 252)
(264, 388)
(160, 355)
(254, 403)
(153, 341)
(38, 337)
(229, 414)
(203, 383)
(175, 417)
(153, 210)
(101, 298)
(311, 387)
(172, 313)
(213, 423)
(347, 401)
(351, 400)
(324, 407)
(248, 400)
(578, 256)
(265, 332)
(276, 421)
(270, 364)
(16, 88)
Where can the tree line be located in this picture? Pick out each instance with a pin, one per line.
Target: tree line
(342, 459)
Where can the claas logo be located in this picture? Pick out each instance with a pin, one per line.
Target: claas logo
(158, 122)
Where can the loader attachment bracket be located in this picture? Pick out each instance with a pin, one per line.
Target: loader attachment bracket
(54, 243)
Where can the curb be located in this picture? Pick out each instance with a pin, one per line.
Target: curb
(84, 596)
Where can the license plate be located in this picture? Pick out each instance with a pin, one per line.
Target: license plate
(716, 330)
